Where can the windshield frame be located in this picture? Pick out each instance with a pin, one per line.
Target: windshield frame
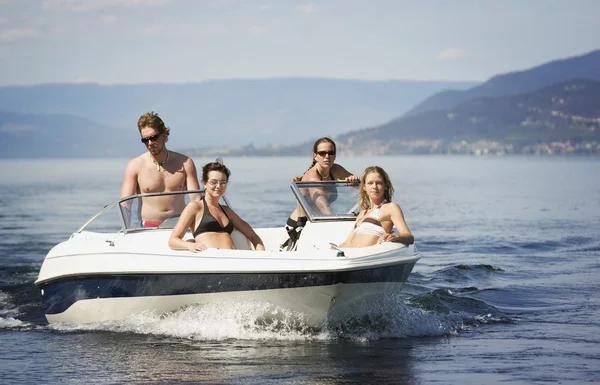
(122, 209)
(309, 208)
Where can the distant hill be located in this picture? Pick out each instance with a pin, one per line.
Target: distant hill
(565, 112)
(229, 112)
(585, 66)
(562, 118)
(60, 135)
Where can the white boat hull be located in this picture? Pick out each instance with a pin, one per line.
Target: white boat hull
(109, 282)
(99, 276)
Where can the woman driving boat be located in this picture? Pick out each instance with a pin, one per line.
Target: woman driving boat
(323, 167)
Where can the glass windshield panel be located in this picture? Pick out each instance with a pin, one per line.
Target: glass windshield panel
(327, 200)
(151, 211)
(143, 212)
(106, 220)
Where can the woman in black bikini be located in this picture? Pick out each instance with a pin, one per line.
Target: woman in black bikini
(323, 167)
(211, 223)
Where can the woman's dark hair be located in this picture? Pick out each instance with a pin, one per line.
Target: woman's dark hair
(323, 139)
(214, 166)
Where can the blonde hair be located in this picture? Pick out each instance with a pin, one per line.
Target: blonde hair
(364, 200)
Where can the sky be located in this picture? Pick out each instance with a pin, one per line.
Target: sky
(180, 41)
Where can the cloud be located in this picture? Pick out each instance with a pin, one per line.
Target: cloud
(17, 34)
(92, 5)
(108, 18)
(151, 31)
(257, 31)
(17, 128)
(451, 54)
(306, 9)
(263, 7)
(220, 3)
(88, 80)
(184, 30)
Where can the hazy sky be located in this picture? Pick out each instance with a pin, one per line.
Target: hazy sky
(140, 41)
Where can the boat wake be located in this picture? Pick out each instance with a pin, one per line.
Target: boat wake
(392, 316)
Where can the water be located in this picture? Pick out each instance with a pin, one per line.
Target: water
(506, 291)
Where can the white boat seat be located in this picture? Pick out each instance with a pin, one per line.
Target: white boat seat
(240, 241)
(319, 235)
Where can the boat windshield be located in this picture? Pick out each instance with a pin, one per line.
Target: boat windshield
(327, 200)
(322, 201)
(144, 211)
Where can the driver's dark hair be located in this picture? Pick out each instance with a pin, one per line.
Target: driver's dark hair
(323, 139)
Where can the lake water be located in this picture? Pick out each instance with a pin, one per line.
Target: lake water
(506, 290)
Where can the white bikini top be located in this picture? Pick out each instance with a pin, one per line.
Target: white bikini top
(371, 224)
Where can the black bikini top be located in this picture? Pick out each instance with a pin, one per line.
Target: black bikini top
(331, 193)
(209, 223)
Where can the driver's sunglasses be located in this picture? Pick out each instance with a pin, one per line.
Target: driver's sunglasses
(151, 138)
(323, 153)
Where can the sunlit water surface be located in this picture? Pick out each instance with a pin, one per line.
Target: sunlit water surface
(506, 291)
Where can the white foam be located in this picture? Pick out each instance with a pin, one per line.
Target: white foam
(7, 308)
(235, 319)
(388, 317)
(8, 323)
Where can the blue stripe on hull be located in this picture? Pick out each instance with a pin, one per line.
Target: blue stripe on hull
(60, 294)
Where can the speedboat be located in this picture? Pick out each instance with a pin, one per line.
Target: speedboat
(112, 267)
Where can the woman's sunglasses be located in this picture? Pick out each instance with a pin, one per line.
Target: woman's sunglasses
(151, 138)
(214, 182)
(323, 153)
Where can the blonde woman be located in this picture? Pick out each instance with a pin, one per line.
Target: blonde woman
(379, 214)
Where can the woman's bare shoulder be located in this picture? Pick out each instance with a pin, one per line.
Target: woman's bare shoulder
(311, 175)
(390, 207)
(195, 205)
(337, 166)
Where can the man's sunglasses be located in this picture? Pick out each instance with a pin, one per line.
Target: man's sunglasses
(151, 138)
(323, 153)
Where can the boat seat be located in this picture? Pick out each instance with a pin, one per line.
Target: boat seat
(240, 241)
(319, 235)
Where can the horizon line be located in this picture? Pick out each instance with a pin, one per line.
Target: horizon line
(239, 79)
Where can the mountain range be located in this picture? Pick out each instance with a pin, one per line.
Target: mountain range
(550, 108)
(54, 135)
(564, 115)
(212, 113)
(586, 66)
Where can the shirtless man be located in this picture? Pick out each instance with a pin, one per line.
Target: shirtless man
(158, 170)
